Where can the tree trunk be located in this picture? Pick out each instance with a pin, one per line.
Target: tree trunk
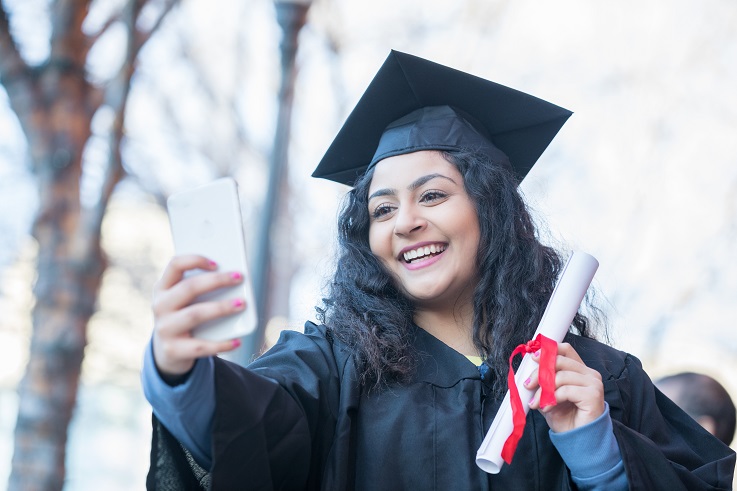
(55, 104)
(70, 268)
(66, 288)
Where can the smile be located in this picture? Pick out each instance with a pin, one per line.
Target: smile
(424, 252)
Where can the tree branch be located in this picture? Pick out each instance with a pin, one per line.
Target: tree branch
(136, 39)
(141, 37)
(112, 20)
(68, 41)
(117, 96)
(14, 72)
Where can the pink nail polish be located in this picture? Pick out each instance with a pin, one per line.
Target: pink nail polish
(236, 276)
(236, 343)
(536, 354)
(213, 264)
(531, 401)
(238, 303)
(527, 382)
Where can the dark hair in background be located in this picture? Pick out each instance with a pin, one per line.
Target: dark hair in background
(365, 309)
(700, 395)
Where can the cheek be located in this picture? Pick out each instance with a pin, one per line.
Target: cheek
(468, 225)
(373, 239)
(378, 243)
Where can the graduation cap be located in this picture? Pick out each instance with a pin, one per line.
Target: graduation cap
(414, 104)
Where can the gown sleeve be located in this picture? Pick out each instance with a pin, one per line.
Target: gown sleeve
(272, 422)
(592, 455)
(662, 447)
(186, 409)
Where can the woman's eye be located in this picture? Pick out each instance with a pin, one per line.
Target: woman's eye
(432, 196)
(382, 210)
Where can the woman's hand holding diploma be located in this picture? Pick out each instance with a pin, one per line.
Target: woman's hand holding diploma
(176, 313)
(579, 392)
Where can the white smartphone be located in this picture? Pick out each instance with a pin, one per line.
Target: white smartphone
(207, 221)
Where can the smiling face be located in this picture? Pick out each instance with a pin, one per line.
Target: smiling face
(424, 228)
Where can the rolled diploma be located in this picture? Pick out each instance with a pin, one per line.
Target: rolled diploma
(567, 295)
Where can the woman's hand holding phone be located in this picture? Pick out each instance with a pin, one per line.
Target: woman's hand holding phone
(176, 313)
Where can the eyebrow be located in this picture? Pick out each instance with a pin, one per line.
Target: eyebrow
(414, 185)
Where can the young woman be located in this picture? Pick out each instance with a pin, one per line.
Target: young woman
(440, 275)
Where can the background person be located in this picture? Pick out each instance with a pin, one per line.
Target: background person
(704, 399)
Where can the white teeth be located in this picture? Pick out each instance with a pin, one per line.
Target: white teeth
(421, 252)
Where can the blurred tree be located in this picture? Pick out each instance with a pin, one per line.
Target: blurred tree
(55, 102)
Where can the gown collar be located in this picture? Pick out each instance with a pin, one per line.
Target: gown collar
(438, 363)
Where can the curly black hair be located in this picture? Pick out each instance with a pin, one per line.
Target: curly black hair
(366, 310)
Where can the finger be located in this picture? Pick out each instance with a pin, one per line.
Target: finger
(176, 356)
(578, 393)
(587, 399)
(532, 381)
(185, 320)
(567, 360)
(178, 265)
(568, 371)
(186, 291)
(578, 379)
(584, 391)
(193, 348)
(534, 402)
(566, 350)
(565, 364)
(536, 356)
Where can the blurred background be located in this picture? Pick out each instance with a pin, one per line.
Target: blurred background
(109, 106)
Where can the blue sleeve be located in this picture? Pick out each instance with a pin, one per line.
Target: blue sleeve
(592, 454)
(186, 410)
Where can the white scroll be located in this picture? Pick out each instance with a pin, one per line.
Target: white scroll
(572, 284)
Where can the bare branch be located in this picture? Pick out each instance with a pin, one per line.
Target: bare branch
(68, 41)
(117, 95)
(103, 29)
(114, 172)
(141, 37)
(145, 175)
(15, 75)
(136, 40)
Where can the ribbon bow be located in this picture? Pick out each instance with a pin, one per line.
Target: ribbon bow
(546, 377)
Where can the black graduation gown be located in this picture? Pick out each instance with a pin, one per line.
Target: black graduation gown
(297, 419)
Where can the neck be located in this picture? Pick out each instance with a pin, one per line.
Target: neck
(453, 327)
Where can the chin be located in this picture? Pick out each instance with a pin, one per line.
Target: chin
(433, 297)
(426, 297)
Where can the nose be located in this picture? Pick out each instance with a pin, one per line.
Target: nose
(408, 220)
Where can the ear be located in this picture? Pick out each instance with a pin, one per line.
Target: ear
(708, 423)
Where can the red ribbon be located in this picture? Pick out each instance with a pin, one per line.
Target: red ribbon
(546, 377)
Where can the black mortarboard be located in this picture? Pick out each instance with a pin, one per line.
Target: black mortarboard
(518, 124)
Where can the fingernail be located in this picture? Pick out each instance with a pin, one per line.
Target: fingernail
(531, 401)
(236, 276)
(236, 343)
(213, 264)
(527, 382)
(238, 303)
(536, 353)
